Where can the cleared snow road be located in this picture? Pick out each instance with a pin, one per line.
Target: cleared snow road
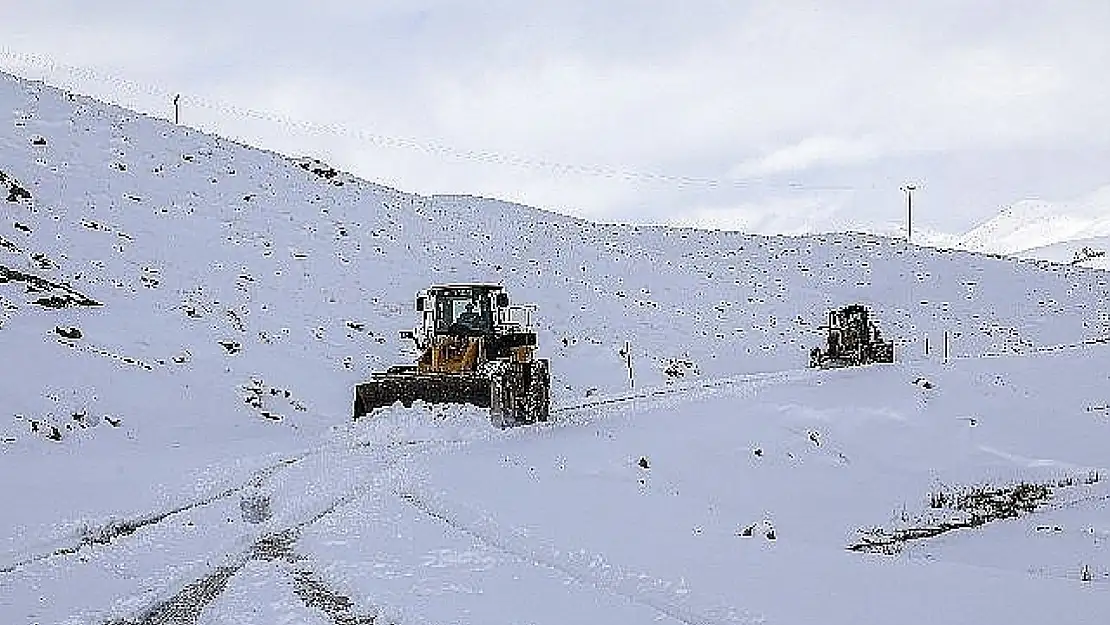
(169, 566)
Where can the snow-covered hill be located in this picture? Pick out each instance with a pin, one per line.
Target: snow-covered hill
(1044, 230)
(156, 282)
(922, 236)
(1091, 252)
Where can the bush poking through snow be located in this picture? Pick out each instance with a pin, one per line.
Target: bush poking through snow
(968, 507)
(676, 368)
(57, 428)
(1085, 254)
(768, 530)
(261, 396)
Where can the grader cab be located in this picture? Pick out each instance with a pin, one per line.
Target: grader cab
(474, 349)
(852, 340)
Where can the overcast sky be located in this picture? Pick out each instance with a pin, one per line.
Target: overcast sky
(775, 116)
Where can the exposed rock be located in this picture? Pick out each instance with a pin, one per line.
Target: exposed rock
(232, 347)
(71, 332)
(67, 296)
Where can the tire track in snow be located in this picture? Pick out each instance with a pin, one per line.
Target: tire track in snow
(117, 528)
(190, 600)
(746, 382)
(758, 380)
(123, 527)
(185, 606)
(313, 593)
(639, 589)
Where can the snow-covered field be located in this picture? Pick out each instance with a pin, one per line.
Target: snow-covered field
(135, 455)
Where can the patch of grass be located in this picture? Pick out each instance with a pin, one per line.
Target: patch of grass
(964, 508)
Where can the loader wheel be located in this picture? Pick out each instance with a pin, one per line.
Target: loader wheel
(539, 392)
(502, 411)
(519, 393)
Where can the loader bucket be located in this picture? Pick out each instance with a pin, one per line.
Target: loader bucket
(386, 389)
(517, 393)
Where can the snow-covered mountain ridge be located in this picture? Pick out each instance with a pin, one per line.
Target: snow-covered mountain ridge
(1056, 232)
(182, 320)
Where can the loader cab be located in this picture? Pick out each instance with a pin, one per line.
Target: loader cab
(464, 314)
(462, 309)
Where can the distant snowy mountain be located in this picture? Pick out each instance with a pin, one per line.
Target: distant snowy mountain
(1029, 226)
(183, 320)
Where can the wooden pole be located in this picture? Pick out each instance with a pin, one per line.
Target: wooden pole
(909, 215)
(177, 109)
(628, 361)
(909, 189)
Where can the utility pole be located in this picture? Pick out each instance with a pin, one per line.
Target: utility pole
(909, 189)
(177, 109)
(627, 353)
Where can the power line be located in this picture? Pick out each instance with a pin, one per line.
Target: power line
(433, 148)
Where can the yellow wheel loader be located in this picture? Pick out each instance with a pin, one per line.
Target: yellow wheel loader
(474, 349)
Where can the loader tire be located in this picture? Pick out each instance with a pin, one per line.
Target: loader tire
(502, 413)
(539, 392)
(520, 393)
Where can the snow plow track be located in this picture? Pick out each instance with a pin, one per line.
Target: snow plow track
(339, 607)
(747, 381)
(118, 528)
(185, 605)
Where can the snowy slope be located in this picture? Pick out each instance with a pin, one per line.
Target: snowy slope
(222, 273)
(1088, 252)
(1029, 226)
(923, 236)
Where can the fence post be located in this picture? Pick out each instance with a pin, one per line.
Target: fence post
(946, 347)
(926, 344)
(628, 362)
